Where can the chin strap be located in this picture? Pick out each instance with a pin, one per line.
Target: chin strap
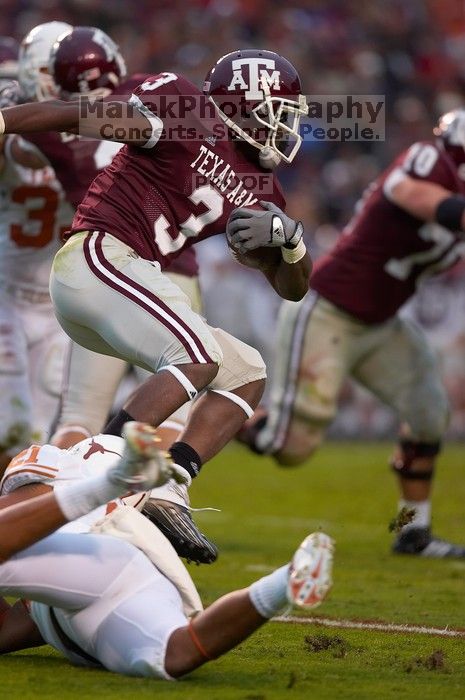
(268, 158)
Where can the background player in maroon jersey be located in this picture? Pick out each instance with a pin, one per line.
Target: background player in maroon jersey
(408, 225)
(178, 182)
(86, 61)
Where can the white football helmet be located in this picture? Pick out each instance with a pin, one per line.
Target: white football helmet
(96, 454)
(33, 61)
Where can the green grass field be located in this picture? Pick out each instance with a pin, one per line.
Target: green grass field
(347, 491)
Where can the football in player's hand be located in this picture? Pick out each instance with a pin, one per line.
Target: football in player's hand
(259, 259)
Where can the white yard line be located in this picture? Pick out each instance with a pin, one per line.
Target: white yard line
(376, 626)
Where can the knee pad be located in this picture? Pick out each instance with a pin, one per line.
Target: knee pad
(410, 451)
(182, 379)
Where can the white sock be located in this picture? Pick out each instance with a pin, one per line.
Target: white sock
(77, 498)
(268, 594)
(422, 517)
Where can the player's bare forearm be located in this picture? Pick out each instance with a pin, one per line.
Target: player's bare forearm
(24, 522)
(419, 198)
(290, 281)
(111, 121)
(42, 116)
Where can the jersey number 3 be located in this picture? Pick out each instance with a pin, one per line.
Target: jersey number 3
(40, 205)
(193, 226)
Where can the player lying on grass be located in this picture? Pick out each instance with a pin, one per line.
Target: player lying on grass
(110, 591)
(408, 225)
(189, 164)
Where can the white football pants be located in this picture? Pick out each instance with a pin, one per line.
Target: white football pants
(108, 598)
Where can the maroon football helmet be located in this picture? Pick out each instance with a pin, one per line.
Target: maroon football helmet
(451, 131)
(85, 61)
(258, 96)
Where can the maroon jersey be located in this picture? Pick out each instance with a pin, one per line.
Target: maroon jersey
(163, 199)
(384, 252)
(77, 161)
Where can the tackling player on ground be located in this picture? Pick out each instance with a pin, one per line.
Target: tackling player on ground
(123, 601)
(408, 225)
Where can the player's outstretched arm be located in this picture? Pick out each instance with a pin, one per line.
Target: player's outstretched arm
(26, 522)
(142, 467)
(111, 121)
(428, 201)
(289, 269)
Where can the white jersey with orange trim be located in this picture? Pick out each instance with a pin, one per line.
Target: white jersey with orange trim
(107, 596)
(46, 464)
(33, 215)
(37, 464)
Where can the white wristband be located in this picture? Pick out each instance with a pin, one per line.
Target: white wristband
(77, 498)
(293, 255)
(2, 124)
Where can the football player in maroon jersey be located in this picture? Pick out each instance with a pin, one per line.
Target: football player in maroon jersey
(86, 61)
(190, 162)
(408, 225)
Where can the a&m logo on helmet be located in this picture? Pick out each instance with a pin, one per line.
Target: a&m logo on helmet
(258, 94)
(260, 70)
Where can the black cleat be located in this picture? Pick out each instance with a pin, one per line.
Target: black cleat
(420, 541)
(175, 522)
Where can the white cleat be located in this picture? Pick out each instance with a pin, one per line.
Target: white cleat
(310, 571)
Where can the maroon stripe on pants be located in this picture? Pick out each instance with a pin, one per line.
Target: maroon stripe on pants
(135, 297)
(150, 295)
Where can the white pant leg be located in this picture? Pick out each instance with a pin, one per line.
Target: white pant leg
(89, 387)
(93, 382)
(68, 570)
(133, 638)
(15, 391)
(48, 349)
(109, 599)
(403, 372)
(314, 348)
(111, 301)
